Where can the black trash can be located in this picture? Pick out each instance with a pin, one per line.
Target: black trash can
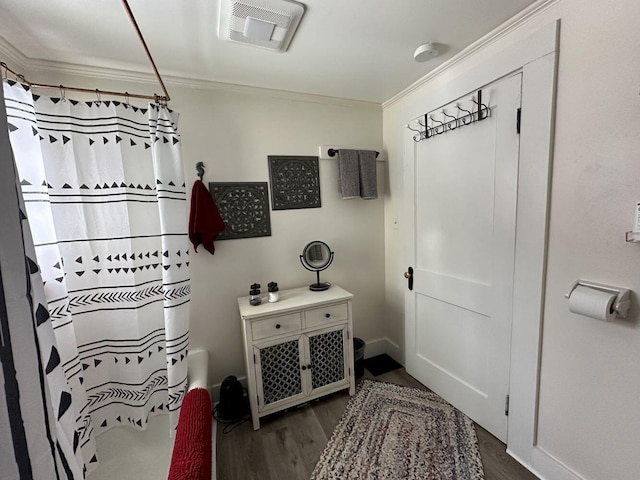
(358, 356)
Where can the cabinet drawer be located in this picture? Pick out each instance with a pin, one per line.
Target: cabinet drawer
(328, 314)
(276, 325)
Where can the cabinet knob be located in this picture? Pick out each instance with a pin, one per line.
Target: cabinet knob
(327, 315)
(304, 367)
(278, 325)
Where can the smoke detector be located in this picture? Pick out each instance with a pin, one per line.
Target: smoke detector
(425, 52)
(263, 23)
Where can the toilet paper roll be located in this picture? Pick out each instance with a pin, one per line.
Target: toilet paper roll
(593, 303)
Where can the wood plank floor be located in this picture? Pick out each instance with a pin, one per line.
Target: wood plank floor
(289, 444)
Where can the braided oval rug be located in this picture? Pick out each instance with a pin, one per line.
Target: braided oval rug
(393, 432)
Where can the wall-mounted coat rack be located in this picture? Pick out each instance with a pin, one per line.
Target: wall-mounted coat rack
(429, 125)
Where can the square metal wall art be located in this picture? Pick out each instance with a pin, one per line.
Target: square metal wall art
(295, 182)
(244, 207)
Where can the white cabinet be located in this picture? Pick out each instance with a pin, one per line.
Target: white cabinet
(297, 349)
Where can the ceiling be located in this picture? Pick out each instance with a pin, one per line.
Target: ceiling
(355, 49)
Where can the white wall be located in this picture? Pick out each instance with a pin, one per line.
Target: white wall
(233, 130)
(233, 133)
(589, 383)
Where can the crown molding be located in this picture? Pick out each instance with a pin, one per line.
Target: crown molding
(13, 57)
(268, 92)
(19, 60)
(493, 36)
(32, 67)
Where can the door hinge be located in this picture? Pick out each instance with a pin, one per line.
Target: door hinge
(518, 120)
(506, 405)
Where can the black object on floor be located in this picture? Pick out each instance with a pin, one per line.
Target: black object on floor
(358, 356)
(381, 364)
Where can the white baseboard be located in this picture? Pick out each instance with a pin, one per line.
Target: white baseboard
(382, 345)
(545, 466)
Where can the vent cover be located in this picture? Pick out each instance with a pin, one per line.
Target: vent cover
(262, 23)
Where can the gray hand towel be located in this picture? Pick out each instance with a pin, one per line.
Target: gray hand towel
(349, 173)
(368, 176)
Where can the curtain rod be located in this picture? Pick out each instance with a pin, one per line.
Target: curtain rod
(146, 49)
(62, 88)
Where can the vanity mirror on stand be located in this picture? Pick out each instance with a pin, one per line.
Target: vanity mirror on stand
(317, 256)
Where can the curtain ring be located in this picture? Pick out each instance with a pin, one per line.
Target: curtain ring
(160, 101)
(98, 102)
(5, 74)
(63, 95)
(126, 99)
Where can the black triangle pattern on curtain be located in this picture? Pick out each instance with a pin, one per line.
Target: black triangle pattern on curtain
(40, 406)
(110, 272)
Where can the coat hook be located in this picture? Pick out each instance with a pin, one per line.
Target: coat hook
(467, 113)
(418, 136)
(480, 106)
(435, 129)
(448, 123)
(200, 170)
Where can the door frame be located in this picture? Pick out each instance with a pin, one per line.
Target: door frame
(536, 57)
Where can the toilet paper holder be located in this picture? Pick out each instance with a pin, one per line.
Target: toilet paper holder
(623, 299)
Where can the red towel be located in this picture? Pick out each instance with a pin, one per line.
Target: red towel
(191, 456)
(205, 221)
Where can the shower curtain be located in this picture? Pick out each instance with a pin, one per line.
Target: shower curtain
(105, 197)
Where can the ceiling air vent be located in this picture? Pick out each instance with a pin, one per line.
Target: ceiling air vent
(263, 23)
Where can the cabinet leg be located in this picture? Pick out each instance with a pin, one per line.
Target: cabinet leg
(256, 421)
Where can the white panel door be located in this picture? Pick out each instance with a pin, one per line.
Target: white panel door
(458, 323)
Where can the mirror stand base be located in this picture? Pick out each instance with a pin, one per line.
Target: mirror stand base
(319, 287)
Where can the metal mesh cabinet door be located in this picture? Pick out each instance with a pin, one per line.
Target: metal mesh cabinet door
(279, 371)
(327, 352)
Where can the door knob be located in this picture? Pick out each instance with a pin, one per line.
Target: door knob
(409, 276)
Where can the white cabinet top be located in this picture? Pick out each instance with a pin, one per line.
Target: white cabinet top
(293, 299)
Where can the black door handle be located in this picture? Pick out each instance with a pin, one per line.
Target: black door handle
(409, 276)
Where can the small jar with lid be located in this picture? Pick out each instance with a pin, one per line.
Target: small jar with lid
(254, 294)
(273, 292)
